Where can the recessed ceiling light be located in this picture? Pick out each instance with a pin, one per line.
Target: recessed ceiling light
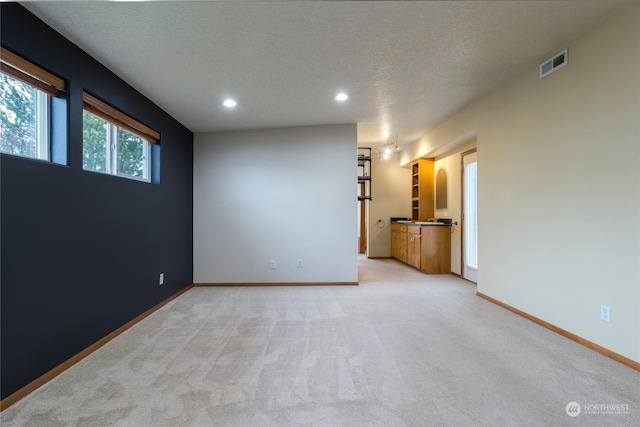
(342, 97)
(229, 103)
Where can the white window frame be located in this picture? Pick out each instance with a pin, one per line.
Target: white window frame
(112, 148)
(43, 125)
(112, 133)
(42, 111)
(46, 85)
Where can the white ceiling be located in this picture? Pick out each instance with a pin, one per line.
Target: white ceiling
(405, 65)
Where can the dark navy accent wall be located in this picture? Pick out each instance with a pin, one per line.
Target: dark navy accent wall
(81, 252)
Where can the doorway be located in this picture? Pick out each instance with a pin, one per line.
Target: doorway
(362, 220)
(469, 246)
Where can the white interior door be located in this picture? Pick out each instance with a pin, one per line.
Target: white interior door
(470, 216)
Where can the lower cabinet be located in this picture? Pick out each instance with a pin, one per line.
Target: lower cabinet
(402, 247)
(435, 249)
(427, 247)
(414, 246)
(399, 242)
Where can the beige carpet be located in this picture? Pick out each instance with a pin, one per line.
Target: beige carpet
(401, 349)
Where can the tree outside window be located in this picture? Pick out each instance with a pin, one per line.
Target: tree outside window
(110, 149)
(19, 118)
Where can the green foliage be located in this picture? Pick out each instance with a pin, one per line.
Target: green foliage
(17, 117)
(94, 143)
(130, 153)
(18, 133)
(95, 133)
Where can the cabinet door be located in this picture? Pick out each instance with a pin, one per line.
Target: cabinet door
(394, 244)
(436, 250)
(402, 247)
(414, 249)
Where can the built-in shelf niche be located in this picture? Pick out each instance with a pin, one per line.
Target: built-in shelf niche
(364, 173)
(422, 200)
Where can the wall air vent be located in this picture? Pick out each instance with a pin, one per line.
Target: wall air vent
(556, 62)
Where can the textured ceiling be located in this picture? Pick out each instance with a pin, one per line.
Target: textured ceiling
(405, 65)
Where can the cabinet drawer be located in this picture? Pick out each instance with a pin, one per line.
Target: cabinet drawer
(414, 229)
(400, 228)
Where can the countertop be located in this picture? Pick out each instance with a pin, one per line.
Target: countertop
(420, 223)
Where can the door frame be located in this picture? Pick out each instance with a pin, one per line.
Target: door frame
(363, 222)
(462, 206)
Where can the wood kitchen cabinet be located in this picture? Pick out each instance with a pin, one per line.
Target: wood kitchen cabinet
(399, 242)
(413, 246)
(435, 249)
(422, 190)
(425, 247)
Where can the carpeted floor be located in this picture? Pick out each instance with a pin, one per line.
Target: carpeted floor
(401, 349)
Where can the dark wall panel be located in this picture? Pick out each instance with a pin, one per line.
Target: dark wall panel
(81, 252)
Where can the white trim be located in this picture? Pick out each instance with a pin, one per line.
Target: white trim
(146, 159)
(112, 148)
(43, 122)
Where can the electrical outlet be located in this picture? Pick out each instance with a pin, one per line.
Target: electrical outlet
(272, 264)
(161, 279)
(605, 313)
(299, 263)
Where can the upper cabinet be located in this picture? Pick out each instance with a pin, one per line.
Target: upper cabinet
(441, 189)
(422, 200)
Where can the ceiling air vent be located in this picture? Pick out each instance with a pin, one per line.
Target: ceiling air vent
(556, 62)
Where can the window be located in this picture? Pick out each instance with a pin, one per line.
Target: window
(114, 143)
(24, 119)
(471, 214)
(110, 149)
(25, 106)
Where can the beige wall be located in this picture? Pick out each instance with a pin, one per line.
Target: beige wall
(391, 197)
(559, 187)
(275, 194)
